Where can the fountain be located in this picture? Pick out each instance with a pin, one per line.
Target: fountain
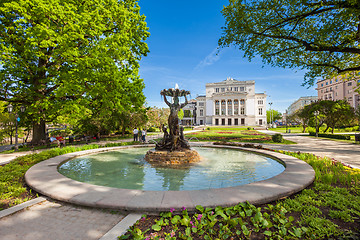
(120, 178)
(173, 149)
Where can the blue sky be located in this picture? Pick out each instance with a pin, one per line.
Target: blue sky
(183, 46)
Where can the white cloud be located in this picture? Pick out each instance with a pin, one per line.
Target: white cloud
(210, 59)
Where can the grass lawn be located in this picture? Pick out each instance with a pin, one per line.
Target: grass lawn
(230, 134)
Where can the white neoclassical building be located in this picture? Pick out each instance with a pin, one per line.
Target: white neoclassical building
(231, 103)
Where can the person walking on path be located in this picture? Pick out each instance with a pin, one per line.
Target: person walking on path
(136, 134)
(143, 135)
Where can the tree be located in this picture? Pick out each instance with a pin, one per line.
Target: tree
(157, 116)
(337, 113)
(71, 57)
(273, 115)
(319, 36)
(302, 116)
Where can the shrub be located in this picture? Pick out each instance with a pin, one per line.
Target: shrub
(151, 129)
(277, 138)
(334, 136)
(249, 128)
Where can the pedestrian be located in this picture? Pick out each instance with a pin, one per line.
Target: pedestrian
(136, 134)
(143, 134)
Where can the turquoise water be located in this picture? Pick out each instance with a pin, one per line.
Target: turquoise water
(126, 168)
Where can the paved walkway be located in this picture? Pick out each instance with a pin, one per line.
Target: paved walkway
(58, 220)
(348, 153)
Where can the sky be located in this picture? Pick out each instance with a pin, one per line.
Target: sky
(183, 46)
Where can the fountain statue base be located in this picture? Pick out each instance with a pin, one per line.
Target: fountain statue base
(166, 158)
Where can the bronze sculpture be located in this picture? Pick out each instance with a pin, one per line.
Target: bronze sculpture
(174, 140)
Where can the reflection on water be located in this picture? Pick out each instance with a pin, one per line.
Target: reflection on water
(127, 168)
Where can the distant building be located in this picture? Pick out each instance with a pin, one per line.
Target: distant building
(338, 89)
(230, 103)
(300, 103)
(189, 118)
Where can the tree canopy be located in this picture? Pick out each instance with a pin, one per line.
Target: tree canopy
(319, 36)
(76, 58)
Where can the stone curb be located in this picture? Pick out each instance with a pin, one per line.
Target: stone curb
(17, 208)
(44, 178)
(122, 227)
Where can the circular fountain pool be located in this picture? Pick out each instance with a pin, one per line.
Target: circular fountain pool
(45, 178)
(127, 169)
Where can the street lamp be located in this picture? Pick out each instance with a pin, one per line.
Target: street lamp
(316, 113)
(270, 103)
(10, 109)
(286, 125)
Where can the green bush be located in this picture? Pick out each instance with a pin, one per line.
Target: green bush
(334, 136)
(151, 129)
(277, 138)
(249, 128)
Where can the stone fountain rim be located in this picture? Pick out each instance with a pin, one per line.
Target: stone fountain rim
(45, 179)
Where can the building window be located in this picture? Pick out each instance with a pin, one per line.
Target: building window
(216, 89)
(260, 102)
(201, 104)
(229, 121)
(260, 111)
(242, 89)
(216, 121)
(321, 91)
(335, 87)
(236, 89)
(349, 83)
(327, 83)
(331, 89)
(222, 89)
(322, 84)
(217, 111)
(330, 81)
(201, 112)
(223, 121)
(236, 121)
(243, 121)
(242, 101)
(223, 107)
(217, 103)
(242, 111)
(229, 102)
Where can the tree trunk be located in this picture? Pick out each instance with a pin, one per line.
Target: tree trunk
(327, 127)
(39, 132)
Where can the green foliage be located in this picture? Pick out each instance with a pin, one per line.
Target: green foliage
(296, 34)
(278, 138)
(59, 58)
(273, 115)
(240, 221)
(151, 129)
(334, 136)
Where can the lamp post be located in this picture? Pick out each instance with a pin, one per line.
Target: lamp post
(286, 125)
(10, 109)
(270, 103)
(316, 113)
